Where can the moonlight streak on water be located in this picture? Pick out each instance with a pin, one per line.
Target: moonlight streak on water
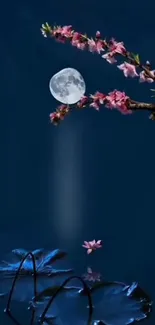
(65, 188)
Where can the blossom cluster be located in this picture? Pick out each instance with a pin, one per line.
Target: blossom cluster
(114, 100)
(99, 45)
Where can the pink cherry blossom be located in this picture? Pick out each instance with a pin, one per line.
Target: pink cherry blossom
(57, 30)
(128, 69)
(59, 115)
(96, 105)
(91, 246)
(99, 96)
(144, 78)
(114, 48)
(95, 46)
(83, 102)
(98, 99)
(78, 41)
(117, 47)
(55, 118)
(67, 31)
(117, 99)
(92, 45)
(109, 57)
(77, 37)
(114, 100)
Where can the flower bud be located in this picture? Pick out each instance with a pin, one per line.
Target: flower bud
(98, 34)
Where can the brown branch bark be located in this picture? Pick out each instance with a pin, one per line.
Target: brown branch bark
(133, 105)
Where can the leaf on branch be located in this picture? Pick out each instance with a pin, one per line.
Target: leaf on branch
(135, 57)
(47, 27)
(85, 36)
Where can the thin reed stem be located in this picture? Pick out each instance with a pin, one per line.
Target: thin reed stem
(86, 289)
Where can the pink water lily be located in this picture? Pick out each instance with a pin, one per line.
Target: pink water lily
(91, 246)
(91, 276)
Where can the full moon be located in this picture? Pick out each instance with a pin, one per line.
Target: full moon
(67, 86)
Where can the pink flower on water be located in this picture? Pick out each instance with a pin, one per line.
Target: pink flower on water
(91, 246)
(144, 78)
(109, 57)
(117, 47)
(128, 69)
(92, 276)
(117, 99)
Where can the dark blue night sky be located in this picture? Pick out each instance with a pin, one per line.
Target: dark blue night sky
(93, 175)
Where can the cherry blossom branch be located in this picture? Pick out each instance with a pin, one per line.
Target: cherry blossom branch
(114, 100)
(98, 45)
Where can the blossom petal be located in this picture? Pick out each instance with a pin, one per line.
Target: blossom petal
(85, 246)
